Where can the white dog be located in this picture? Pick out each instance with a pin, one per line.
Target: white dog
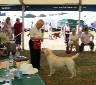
(56, 61)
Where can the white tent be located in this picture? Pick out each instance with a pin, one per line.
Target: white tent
(12, 2)
(46, 2)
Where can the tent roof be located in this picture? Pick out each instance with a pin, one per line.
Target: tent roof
(33, 2)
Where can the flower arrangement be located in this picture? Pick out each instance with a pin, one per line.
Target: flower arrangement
(3, 38)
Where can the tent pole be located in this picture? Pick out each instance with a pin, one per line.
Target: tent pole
(23, 9)
(80, 7)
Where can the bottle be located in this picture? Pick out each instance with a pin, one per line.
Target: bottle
(11, 62)
(18, 74)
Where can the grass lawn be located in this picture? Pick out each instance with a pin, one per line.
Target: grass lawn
(86, 71)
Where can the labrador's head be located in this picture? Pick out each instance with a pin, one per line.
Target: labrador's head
(45, 51)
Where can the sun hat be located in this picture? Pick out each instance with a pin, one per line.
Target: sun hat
(27, 69)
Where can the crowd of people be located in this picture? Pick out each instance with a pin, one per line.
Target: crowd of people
(77, 36)
(73, 39)
(37, 35)
(13, 32)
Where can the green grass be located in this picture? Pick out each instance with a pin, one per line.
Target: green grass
(86, 71)
(85, 66)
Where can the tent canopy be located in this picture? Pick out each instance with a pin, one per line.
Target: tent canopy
(33, 2)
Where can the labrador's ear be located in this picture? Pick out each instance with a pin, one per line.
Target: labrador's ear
(42, 50)
(45, 51)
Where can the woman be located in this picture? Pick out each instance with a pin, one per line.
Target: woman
(36, 36)
(7, 28)
(74, 40)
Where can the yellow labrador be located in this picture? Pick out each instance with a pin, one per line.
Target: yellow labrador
(55, 61)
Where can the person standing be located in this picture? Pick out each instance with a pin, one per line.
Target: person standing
(79, 28)
(18, 31)
(50, 31)
(7, 28)
(36, 37)
(67, 34)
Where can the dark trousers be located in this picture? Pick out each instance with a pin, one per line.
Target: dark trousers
(66, 41)
(35, 55)
(18, 39)
(67, 38)
(91, 44)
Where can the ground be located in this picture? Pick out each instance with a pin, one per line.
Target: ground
(85, 66)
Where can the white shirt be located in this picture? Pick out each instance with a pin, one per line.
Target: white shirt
(34, 32)
(85, 38)
(67, 28)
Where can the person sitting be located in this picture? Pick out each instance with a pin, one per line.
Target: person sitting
(74, 40)
(86, 39)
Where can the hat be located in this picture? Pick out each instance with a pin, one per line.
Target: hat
(28, 69)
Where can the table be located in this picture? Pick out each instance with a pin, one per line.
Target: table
(20, 60)
(33, 79)
(29, 80)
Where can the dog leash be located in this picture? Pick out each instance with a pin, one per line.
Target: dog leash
(18, 35)
(43, 44)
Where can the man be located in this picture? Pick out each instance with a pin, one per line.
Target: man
(18, 31)
(86, 39)
(67, 34)
(36, 36)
